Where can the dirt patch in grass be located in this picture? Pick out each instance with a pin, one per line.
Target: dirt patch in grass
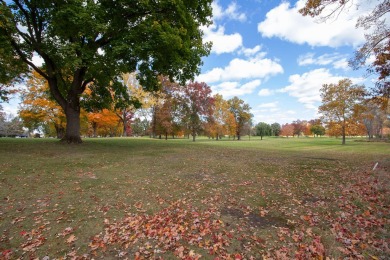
(254, 220)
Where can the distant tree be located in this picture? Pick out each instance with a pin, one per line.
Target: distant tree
(241, 114)
(263, 129)
(164, 119)
(275, 129)
(221, 116)
(10, 126)
(125, 105)
(373, 118)
(197, 104)
(299, 127)
(287, 130)
(231, 125)
(103, 123)
(140, 127)
(340, 103)
(96, 41)
(317, 130)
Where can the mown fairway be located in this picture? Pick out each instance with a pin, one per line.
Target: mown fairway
(144, 198)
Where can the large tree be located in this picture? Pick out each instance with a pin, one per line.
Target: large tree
(377, 35)
(340, 102)
(83, 42)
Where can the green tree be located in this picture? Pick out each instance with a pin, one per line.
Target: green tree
(263, 129)
(317, 130)
(276, 129)
(241, 114)
(93, 42)
(340, 102)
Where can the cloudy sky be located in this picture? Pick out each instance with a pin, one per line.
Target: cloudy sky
(273, 58)
(276, 60)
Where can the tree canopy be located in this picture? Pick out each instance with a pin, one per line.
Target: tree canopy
(93, 42)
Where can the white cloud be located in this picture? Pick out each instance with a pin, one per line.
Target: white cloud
(341, 64)
(222, 43)
(268, 105)
(273, 115)
(291, 112)
(242, 69)
(230, 89)
(287, 23)
(265, 92)
(231, 12)
(338, 61)
(306, 87)
(250, 51)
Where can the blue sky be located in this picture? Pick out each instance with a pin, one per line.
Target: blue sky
(270, 56)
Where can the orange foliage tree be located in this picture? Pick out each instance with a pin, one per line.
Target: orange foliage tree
(287, 130)
(38, 110)
(103, 123)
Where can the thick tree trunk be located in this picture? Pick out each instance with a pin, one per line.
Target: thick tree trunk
(72, 133)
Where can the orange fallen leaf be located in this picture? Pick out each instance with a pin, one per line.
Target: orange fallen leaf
(71, 239)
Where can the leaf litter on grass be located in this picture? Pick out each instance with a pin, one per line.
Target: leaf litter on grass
(322, 210)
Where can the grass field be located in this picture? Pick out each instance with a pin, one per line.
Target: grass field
(141, 198)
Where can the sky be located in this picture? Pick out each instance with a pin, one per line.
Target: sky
(273, 58)
(276, 60)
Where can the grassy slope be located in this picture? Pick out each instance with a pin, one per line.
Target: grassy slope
(55, 198)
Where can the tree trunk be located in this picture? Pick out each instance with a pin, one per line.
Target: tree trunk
(343, 132)
(60, 131)
(94, 127)
(124, 120)
(72, 133)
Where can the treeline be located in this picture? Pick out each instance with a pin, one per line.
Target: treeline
(175, 111)
(172, 111)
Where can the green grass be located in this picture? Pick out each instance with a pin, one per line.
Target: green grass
(47, 186)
